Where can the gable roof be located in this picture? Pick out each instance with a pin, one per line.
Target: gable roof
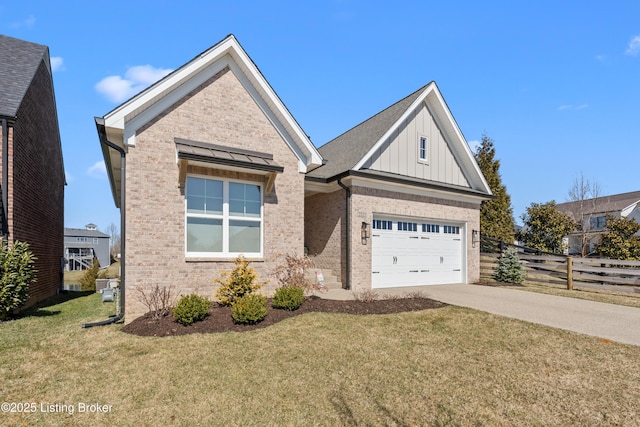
(19, 61)
(83, 232)
(120, 125)
(605, 204)
(348, 153)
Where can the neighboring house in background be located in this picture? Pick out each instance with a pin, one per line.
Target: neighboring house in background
(32, 168)
(217, 167)
(82, 245)
(594, 217)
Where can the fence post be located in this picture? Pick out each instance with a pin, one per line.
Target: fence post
(569, 273)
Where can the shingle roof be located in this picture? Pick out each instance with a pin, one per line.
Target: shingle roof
(603, 204)
(83, 232)
(19, 61)
(345, 151)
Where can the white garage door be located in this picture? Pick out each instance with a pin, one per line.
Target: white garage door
(414, 253)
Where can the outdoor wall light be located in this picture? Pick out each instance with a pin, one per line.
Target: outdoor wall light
(474, 238)
(365, 232)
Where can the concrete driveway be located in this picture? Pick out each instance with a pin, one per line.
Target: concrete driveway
(614, 322)
(609, 321)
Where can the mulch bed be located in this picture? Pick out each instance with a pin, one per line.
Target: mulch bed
(219, 318)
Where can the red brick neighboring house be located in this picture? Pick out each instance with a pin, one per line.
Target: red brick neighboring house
(32, 171)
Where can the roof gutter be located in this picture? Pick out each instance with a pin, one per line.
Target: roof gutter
(347, 231)
(108, 144)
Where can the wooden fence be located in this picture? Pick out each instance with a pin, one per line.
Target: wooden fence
(545, 268)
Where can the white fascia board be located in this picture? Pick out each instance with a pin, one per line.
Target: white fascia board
(466, 156)
(304, 148)
(390, 131)
(122, 115)
(456, 140)
(627, 211)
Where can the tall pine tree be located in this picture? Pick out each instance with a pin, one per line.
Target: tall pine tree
(496, 215)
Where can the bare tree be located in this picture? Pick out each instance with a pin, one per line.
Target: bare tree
(114, 242)
(585, 194)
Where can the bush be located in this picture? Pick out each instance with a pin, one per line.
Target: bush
(510, 269)
(88, 279)
(157, 300)
(249, 309)
(17, 266)
(238, 283)
(288, 298)
(292, 272)
(191, 308)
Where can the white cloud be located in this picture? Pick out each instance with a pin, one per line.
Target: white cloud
(572, 107)
(136, 79)
(68, 177)
(474, 145)
(98, 170)
(28, 22)
(634, 46)
(57, 63)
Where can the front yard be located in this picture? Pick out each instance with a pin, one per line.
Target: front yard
(446, 366)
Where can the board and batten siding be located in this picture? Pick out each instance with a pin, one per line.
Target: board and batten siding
(399, 154)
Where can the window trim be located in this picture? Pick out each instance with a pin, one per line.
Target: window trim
(422, 159)
(226, 219)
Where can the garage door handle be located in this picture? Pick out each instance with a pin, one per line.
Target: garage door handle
(413, 271)
(395, 259)
(441, 260)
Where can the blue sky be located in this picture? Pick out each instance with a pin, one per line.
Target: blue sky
(555, 84)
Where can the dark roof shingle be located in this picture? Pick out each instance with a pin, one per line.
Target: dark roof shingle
(19, 61)
(345, 151)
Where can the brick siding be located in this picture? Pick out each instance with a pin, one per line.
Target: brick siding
(36, 184)
(220, 112)
(325, 237)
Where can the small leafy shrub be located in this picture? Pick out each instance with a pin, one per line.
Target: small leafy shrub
(249, 309)
(237, 283)
(510, 269)
(288, 298)
(157, 300)
(88, 279)
(17, 269)
(191, 308)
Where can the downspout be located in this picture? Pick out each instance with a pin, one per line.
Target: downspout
(348, 231)
(103, 140)
(5, 177)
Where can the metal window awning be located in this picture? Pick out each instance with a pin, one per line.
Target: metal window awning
(195, 152)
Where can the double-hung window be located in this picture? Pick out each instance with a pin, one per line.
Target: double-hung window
(223, 218)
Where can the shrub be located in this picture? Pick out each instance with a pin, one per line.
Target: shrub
(157, 300)
(368, 295)
(237, 283)
(88, 279)
(249, 309)
(288, 298)
(509, 269)
(191, 308)
(292, 272)
(17, 266)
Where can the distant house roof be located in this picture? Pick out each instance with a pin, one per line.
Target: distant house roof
(83, 232)
(19, 61)
(604, 204)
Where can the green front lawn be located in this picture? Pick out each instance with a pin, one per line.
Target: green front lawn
(447, 366)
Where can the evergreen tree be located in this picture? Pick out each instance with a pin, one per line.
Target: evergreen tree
(496, 215)
(509, 269)
(545, 227)
(620, 241)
